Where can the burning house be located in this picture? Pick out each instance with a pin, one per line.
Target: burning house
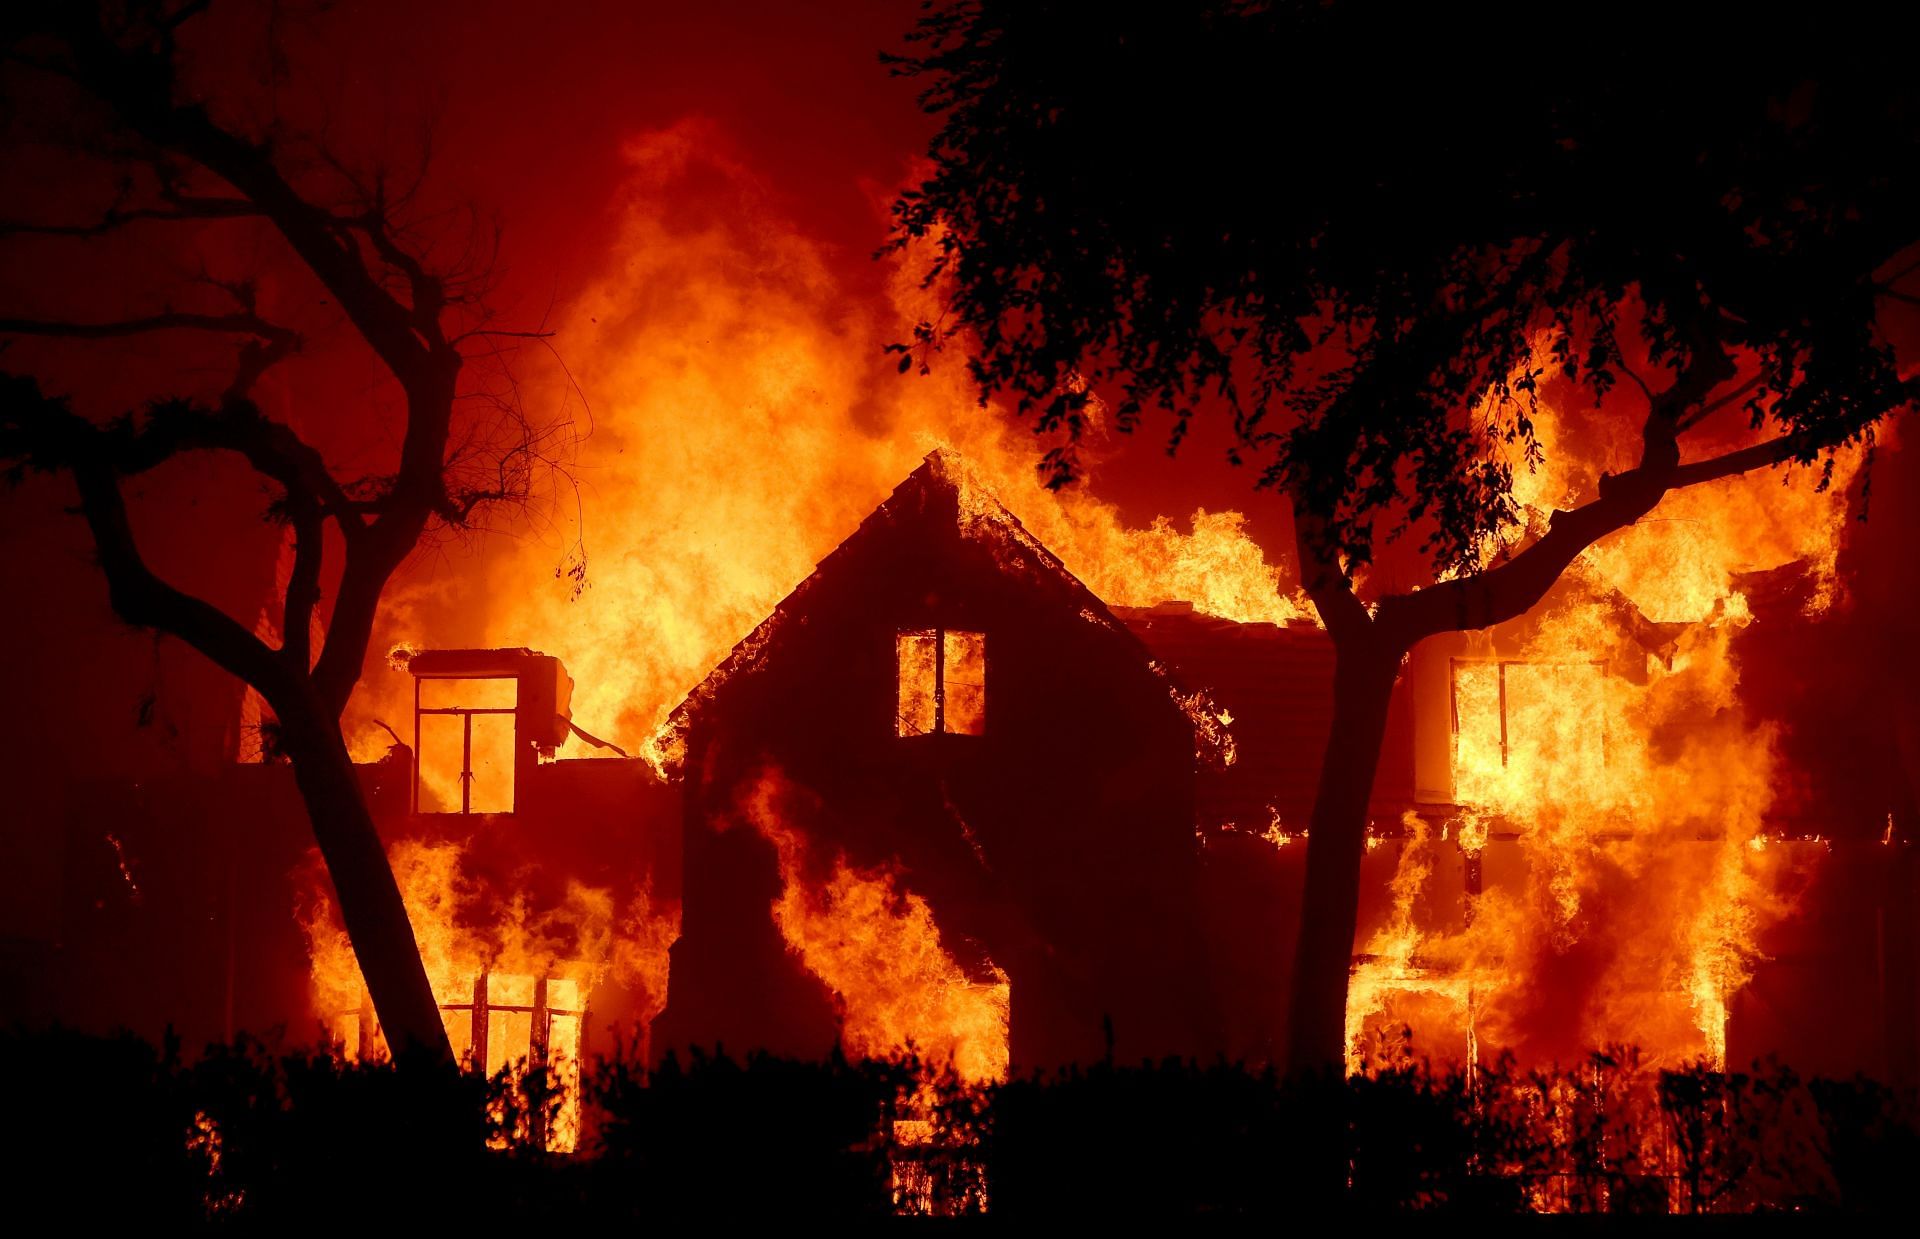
(538, 888)
(1575, 838)
(943, 703)
(944, 796)
(842, 566)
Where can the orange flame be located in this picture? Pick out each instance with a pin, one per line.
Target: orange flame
(744, 419)
(876, 946)
(1615, 752)
(505, 957)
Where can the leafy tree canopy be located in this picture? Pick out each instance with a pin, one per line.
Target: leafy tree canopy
(1347, 224)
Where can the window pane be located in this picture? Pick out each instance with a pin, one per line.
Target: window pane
(563, 1054)
(917, 651)
(1478, 763)
(563, 1040)
(441, 744)
(1556, 719)
(965, 676)
(492, 763)
(1553, 720)
(504, 989)
(509, 1038)
(459, 1023)
(563, 994)
(488, 694)
(345, 1028)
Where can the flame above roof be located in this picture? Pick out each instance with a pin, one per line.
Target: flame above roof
(979, 514)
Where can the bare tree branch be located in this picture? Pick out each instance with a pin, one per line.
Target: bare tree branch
(1700, 414)
(396, 301)
(42, 431)
(429, 294)
(303, 582)
(242, 323)
(138, 85)
(479, 332)
(1774, 451)
(183, 210)
(1511, 589)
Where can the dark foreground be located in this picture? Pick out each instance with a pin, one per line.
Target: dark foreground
(115, 1130)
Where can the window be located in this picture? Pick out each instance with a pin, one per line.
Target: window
(1518, 723)
(500, 1021)
(943, 682)
(464, 740)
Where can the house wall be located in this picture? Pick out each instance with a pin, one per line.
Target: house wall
(198, 931)
(1057, 847)
(1833, 986)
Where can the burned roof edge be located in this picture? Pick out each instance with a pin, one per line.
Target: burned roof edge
(980, 514)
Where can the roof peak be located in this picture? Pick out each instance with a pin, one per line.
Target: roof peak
(980, 516)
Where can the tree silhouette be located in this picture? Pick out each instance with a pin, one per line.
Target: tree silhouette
(1368, 236)
(179, 163)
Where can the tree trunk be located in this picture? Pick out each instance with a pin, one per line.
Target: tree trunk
(1364, 671)
(370, 904)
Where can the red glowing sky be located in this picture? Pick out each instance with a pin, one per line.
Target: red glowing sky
(530, 109)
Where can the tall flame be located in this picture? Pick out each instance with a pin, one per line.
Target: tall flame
(744, 419)
(876, 946)
(503, 952)
(1613, 746)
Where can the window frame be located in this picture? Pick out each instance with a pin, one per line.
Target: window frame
(478, 1007)
(1501, 664)
(939, 633)
(466, 714)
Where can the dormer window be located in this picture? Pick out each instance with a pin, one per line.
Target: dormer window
(943, 682)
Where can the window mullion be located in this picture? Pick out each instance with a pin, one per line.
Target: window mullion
(1503, 715)
(480, 1021)
(939, 681)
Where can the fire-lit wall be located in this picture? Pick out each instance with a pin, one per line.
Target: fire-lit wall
(1609, 848)
(183, 899)
(1054, 848)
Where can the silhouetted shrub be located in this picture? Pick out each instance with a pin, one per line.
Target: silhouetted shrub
(720, 1139)
(113, 1130)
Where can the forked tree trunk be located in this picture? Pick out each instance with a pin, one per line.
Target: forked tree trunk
(1364, 671)
(370, 905)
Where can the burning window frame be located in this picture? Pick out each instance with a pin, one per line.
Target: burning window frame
(541, 713)
(920, 706)
(1454, 665)
(466, 715)
(356, 1037)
